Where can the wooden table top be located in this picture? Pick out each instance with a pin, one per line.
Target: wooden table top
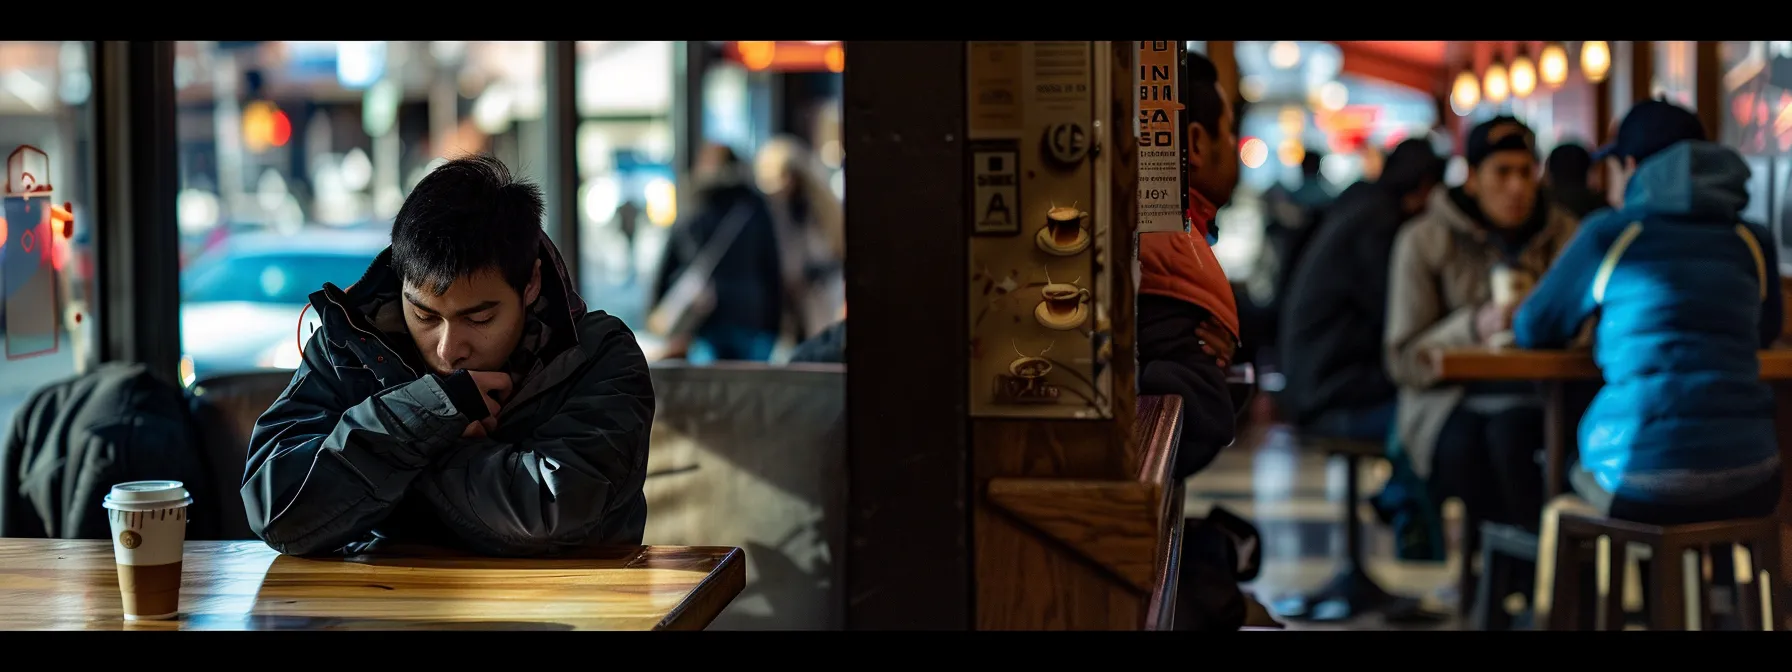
(1517, 364)
(53, 584)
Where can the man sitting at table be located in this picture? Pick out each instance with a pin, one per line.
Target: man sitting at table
(1686, 293)
(1331, 330)
(458, 394)
(1479, 441)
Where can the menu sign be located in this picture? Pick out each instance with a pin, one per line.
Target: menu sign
(1162, 168)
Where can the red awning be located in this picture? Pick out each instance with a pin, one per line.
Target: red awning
(1423, 66)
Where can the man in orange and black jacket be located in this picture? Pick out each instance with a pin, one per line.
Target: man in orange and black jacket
(1187, 316)
(1188, 335)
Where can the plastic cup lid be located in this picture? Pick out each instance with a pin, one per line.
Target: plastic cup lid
(137, 493)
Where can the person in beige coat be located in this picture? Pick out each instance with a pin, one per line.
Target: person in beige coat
(1476, 442)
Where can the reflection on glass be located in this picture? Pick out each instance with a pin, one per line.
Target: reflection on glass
(29, 277)
(46, 264)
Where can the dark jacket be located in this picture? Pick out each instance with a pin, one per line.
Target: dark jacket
(1336, 309)
(1578, 199)
(1181, 288)
(1171, 361)
(366, 443)
(828, 347)
(74, 439)
(1686, 293)
(748, 280)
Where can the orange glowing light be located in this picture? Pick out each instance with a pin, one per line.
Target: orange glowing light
(788, 56)
(835, 57)
(3, 233)
(757, 55)
(258, 125)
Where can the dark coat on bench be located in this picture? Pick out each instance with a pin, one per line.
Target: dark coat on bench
(73, 440)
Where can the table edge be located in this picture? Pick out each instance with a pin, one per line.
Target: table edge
(691, 613)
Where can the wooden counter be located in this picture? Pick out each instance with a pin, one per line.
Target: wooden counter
(50, 584)
(1128, 530)
(1468, 364)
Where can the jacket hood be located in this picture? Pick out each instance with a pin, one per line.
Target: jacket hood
(1692, 179)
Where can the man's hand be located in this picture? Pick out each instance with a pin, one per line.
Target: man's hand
(481, 429)
(1492, 318)
(494, 388)
(1215, 342)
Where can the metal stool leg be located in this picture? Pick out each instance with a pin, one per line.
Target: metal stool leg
(1351, 592)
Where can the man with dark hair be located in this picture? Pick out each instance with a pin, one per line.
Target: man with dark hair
(458, 394)
(1187, 316)
(1572, 181)
(1188, 335)
(1336, 307)
(1294, 216)
(1477, 442)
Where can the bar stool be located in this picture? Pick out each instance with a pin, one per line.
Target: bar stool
(1508, 565)
(1669, 587)
(1351, 592)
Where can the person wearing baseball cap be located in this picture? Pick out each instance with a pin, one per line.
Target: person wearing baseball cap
(1685, 293)
(1475, 442)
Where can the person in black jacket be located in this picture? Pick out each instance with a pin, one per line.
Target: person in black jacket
(459, 394)
(1336, 308)
(748, 278)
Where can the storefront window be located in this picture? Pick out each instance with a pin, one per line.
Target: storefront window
(628, 191)
(295, 156)
(47, 285)
(1757, 94)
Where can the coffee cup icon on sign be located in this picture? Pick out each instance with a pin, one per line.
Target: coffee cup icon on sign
(1064, 306)
(1063, 234)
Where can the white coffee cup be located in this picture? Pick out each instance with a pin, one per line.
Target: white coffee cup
(149, 530)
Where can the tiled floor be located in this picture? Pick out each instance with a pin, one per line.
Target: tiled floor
(1294, 498)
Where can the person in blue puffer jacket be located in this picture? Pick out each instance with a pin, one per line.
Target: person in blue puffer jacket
(1685, 293)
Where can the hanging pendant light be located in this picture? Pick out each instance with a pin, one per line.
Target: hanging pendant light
(1465, 94)
(1523, 73)
(1494, 85)
(1596, 60)
(1552, 64)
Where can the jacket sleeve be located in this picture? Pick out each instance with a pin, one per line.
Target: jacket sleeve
(1171, 362)
(324, 469)
(1417, 323)
(563, 483)
(1553, 313)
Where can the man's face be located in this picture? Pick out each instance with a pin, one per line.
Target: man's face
(1213, 159)
(1505, 186)
(475, 325)
(1617, 177)
(1596, 178)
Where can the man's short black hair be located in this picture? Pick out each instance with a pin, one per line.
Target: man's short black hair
(1412, 165)
(466, 216)
(1568, 165)
(1199, 94)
